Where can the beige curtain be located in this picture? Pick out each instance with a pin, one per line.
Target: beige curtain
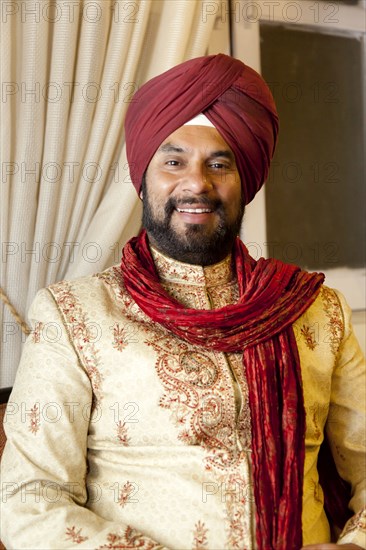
(69, 69)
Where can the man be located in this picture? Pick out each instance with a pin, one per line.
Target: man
(180, 400)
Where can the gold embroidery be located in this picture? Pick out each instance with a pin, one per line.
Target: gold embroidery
(172, 271)
(190, 296)
(36, 333)
(309, 337)
(315, 416)
(75, 536)
(199, 536)
(130, 539)
(114, 279)
(77, 323)
(223, 295)
(236, 493)
(200, 397)
(34, 419)
(335, 327)
(244, 427)
(122, 433)
(127, 490)
(120, 341)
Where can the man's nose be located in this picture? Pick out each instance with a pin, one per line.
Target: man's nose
(197, 180)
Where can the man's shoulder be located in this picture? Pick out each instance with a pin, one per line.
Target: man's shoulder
(80, 292)
(112, 276)
(329, 303)
(326, 321)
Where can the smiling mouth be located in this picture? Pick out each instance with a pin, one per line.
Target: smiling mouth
(195, 210)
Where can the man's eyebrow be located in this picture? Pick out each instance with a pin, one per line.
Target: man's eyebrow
(226, 153)
(171, 148)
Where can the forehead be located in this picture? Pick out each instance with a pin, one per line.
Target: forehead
(190, 138)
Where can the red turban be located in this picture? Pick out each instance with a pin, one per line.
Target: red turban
(232, 96)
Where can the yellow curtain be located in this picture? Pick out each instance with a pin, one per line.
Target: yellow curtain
(69, 70)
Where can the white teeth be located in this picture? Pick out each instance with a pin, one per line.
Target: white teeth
(194, 210)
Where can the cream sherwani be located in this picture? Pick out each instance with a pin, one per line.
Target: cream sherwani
(121, 435)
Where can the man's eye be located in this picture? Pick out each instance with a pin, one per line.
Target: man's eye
(218, 166)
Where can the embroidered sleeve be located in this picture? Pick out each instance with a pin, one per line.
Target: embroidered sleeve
(44, 467)
(346, 426)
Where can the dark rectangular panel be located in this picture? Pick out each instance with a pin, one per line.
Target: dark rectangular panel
(315, 194)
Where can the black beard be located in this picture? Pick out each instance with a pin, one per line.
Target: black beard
(194, 247)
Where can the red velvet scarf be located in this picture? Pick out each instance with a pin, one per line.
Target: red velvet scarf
(272, 296)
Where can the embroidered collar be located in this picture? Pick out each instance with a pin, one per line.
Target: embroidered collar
(172, 271)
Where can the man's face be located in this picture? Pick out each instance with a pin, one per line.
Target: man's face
(192, 198)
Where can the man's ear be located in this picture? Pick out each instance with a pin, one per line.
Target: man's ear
(143, 183)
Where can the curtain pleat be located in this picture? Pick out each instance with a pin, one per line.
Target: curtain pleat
(67, 202)
(62, 53)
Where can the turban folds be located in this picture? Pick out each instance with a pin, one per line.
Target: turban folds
(233, 97)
